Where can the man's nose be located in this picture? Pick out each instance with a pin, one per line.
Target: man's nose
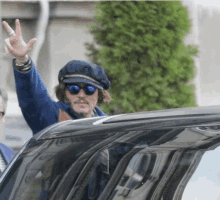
(81, 93)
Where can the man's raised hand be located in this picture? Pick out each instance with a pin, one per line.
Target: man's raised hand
(15, 44)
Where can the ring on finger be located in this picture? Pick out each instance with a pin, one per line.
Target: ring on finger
(12, 34)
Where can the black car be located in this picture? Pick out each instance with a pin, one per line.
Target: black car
(143, 156)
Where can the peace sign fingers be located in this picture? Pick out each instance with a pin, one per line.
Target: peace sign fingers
(15, 45)
(9, 30)
(18, 28)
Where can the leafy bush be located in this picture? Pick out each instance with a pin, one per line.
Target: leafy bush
(140, 45)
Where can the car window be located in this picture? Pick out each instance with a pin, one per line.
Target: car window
(50, 168)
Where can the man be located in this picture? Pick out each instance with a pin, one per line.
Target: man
(81, 86)
(6, 153)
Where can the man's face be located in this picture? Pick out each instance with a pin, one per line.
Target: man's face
(81, 103)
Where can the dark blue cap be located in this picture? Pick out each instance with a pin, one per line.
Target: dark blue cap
(76, 71)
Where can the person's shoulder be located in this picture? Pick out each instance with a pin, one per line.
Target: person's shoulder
(3, 146)
(7, 152)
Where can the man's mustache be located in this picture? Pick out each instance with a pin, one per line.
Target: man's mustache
(81, 100)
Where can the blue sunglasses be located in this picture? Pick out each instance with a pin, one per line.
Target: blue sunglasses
(75, 89)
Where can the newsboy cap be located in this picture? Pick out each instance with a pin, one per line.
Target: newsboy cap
(76, 71)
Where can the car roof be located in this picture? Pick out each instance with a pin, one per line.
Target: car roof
(180, 117)
(192, 111)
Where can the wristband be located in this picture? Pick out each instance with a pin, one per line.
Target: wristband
(21, 65)
(24, 67)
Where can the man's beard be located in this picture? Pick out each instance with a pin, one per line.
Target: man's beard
(81, 114)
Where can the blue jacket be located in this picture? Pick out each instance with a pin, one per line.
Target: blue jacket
(38, 109)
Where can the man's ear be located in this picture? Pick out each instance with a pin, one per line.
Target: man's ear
(66, 100)
(107, 97)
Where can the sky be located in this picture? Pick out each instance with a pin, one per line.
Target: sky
(209, 3)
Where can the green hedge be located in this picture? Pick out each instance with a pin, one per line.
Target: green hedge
(140, 45)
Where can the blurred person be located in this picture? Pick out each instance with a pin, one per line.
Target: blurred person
(6, 153)
(81, 86)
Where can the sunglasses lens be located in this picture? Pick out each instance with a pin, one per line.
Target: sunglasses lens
(89, 89)
(74, 89)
